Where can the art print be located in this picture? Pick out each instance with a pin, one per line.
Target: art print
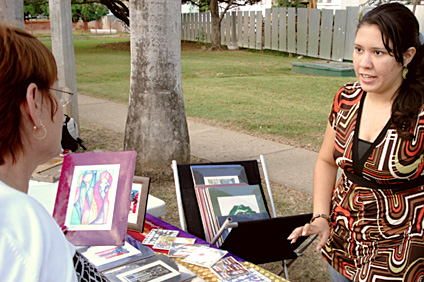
(154, 235)
(134, 202)
(233, 205)
(181, 250)
(227, 268)
(218, 174)
(92, 197)
(103, 255)
(236, 200)
(221, 180)
(138, 203)
(205, 256)
(165, 243)
(153, 272)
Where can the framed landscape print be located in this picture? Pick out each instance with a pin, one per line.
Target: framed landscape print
(138, 203)
(93, 197)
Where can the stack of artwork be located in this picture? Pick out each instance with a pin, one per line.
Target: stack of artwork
(219, 262)
(223, 191)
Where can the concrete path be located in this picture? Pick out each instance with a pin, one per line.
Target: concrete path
(286, 165)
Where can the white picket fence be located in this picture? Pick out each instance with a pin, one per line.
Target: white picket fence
(325, 34)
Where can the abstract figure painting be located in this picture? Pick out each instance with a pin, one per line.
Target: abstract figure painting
(93, 197)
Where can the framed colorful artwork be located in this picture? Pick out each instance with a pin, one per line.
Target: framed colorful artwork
(93, 197)
(138, 203)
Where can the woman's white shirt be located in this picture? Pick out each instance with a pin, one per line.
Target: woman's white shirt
(32, 246)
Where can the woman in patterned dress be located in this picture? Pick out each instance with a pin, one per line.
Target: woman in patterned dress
(371, 221)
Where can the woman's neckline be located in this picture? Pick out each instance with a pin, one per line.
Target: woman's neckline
(358, 162)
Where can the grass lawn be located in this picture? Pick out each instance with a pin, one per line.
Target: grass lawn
(250, 91)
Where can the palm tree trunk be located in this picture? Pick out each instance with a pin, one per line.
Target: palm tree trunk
(156, 123)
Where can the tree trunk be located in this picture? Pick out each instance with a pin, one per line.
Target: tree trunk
(63, 50)
(12, 13)
(156, 124)
(216, 26)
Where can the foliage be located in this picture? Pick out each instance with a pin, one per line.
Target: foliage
(88, 9)
(87, 12)
(204, 5)
(33, 10)
(290, 3)
(201, 37)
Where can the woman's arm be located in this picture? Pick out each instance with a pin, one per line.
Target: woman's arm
(324, 180)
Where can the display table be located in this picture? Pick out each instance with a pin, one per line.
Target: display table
(45, 193)
(152, 222)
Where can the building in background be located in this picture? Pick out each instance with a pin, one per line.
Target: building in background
(338, 4)
(266, 4)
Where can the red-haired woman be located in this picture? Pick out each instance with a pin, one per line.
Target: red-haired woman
(33, 247)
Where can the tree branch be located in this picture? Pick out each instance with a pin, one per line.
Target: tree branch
(119, 9)
(225, 10)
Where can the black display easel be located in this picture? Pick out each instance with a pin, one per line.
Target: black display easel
(265, 240)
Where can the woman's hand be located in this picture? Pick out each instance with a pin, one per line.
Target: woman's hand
(318, 226)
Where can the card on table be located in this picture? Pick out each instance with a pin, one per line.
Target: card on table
(154, 235)
(205, 256)
(165, 243)
(106, 257)
(181, 250)
(228, 268)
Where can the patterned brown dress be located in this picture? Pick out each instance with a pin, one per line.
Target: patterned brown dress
(378, 204)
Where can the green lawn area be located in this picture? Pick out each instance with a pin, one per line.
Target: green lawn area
(253, 91)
